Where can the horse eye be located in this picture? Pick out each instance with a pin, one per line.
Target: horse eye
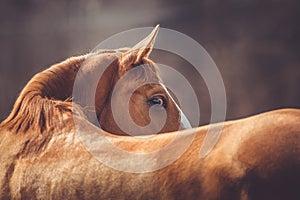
(158, 100)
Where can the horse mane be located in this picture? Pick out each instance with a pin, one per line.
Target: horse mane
(45, 101)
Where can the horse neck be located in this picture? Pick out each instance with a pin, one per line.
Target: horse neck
(57, 81)
(43, 98)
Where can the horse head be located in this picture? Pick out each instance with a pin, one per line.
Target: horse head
(129, 91)
(115, 87)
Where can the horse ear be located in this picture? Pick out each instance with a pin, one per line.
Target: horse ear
(142, 49)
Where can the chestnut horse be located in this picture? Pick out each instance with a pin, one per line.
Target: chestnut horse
(42, 155)
(47, 97)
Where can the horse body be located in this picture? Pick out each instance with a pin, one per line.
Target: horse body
(255, 158)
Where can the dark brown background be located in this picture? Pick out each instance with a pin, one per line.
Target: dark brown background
(255, 43)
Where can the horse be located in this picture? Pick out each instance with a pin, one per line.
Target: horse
(43, 155)
(49, 93)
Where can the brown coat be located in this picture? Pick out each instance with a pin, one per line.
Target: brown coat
(255, 158)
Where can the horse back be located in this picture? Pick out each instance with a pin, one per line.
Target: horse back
(257, 158)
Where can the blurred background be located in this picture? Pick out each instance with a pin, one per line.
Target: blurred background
(254, 43)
